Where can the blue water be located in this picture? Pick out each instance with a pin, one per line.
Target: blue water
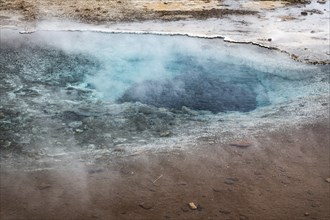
(166, 71)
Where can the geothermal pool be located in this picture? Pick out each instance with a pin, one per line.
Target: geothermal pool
(65, 90)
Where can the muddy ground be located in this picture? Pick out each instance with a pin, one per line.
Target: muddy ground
(282, 175)
(274, 174)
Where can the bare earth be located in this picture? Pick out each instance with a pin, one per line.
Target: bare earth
(283, 174)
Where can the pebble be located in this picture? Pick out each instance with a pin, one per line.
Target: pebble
(6, 144)
(230, 181)
(226, 212)
(43, 186)
(165, 134)
(192, 206)
(79, 131)
(2, 115)
(75, 124)
(216, 189)
(145, 110)
(327, 180)
(146, 205)
(243, 217)
(242, 144)
(306, 214)
(188, 111)
(304, 13)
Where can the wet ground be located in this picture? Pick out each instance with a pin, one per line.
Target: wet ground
(72, 148)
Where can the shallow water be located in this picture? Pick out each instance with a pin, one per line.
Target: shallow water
(164, 71)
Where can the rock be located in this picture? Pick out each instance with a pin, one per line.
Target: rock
(269, 39)
(5, 144)
(216, 189)
(79, 131)
(188, 111)
(146, 205)
(304, 13)
(75, 124)
(119, 141)
(231, 181)
(322, 1)
(145, 110)
(43, 186)
(223, 211)
(165, 134)
(306, 214)
(242, 144)
(2, 115)
(182, 183)
(199, 207)
(192, 206)
(92, 171)
(243, 217)
(314, 11)
(327, 180)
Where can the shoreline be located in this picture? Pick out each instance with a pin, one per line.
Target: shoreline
(283, 27)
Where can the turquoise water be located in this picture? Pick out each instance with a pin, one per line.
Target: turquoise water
(163, 71)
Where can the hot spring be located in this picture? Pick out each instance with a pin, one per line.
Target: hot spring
(103, 90)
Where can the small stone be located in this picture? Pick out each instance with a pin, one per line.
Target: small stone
(6, 144)
(223, 211)
(188, 111)
(306, 214)
(79, 131)
(269, 39)
(304, 13)
(145, 110)
(75, 124)
(43, 186)
(243, 217)
(165, 133)
(2, 115)
(192, 206)
(241, 144)
(322, 1)
(327, 180)
(146, 205)
(217, 189)
(230, 181)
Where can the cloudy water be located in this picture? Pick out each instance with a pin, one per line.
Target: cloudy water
(88, 90)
